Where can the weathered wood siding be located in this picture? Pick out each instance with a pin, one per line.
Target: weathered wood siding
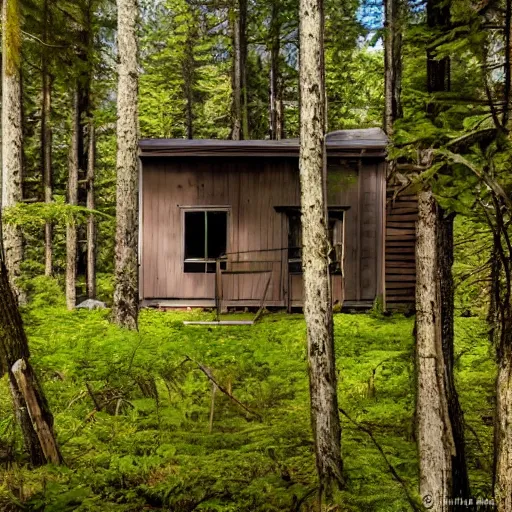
(251, 188)
(402, 214)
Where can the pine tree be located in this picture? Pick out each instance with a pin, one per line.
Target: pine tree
(126, 295)
(12, 137)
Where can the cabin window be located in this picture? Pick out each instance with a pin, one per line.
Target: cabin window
(295, 242)
(206, 235)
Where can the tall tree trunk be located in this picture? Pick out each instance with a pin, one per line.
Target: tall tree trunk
(276, 104)
(239, 108)
(12, 138)
(501, 336)
(126, 300)
(392, 65)
(189, 66)
(71, 229)
(503, 436)
(85, 115)
(32, 411)
(460, 478)
(443, 469)
(434, 431)
(317, 294)
(91, 221)
(46, 142)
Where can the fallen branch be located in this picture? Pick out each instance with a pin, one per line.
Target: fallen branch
(97, 406)
(414, 504)
(24, 377)
(487, 462)
(208, 373)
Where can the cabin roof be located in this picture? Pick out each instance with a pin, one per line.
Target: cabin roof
(370, 142)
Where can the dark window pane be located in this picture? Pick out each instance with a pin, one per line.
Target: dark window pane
(217, 234)
(295, 237)
(194, 235)
(194, 268)
(295, 267)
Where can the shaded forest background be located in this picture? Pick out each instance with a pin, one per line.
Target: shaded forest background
(188, 90)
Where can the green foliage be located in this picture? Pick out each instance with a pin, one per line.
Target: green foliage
(159, 453)
(32, 216)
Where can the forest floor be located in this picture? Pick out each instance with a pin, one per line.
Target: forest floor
(150, 446)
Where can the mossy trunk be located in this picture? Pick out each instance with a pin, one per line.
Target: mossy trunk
(32, 411)
(12, 138)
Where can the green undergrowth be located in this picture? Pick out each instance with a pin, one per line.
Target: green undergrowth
(150, 445)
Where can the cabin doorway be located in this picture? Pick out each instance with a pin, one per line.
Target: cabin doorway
(294, 256)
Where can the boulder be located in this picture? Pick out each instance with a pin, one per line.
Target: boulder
(91, 304)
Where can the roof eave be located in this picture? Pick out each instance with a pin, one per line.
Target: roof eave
(331, 152)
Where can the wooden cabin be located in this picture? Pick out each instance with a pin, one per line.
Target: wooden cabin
(220, 220)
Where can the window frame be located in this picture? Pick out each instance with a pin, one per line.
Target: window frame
(203, 209)
(336, 215)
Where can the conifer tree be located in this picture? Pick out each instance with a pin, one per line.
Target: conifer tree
(12, 137)
(126, 294)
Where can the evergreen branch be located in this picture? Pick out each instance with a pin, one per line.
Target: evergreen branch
(465, 141)
(480, 173)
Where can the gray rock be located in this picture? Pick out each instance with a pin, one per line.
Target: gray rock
(91, 304)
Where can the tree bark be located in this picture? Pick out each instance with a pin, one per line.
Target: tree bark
(71, 230)
(84, 81)
(239, 113)
(500, 314)
(189, 66)
(12, 138)
(91, 221)
(443, 469)
(460, 478)
(40, 440)
(126, 300)
(392, 65)
(46, 142)
(317, 294)
(434, 430)
(503, 436)
(276, 102)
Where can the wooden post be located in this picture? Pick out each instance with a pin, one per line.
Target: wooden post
(218, 288)
(24, 378)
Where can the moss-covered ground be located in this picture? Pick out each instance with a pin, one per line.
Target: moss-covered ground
(154, 451)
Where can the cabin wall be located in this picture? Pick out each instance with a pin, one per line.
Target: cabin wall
(251, 188)
(402, 214)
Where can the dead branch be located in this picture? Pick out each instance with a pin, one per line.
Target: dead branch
(93, 398)
(488, 464)
(208, 373)
(414, 504)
